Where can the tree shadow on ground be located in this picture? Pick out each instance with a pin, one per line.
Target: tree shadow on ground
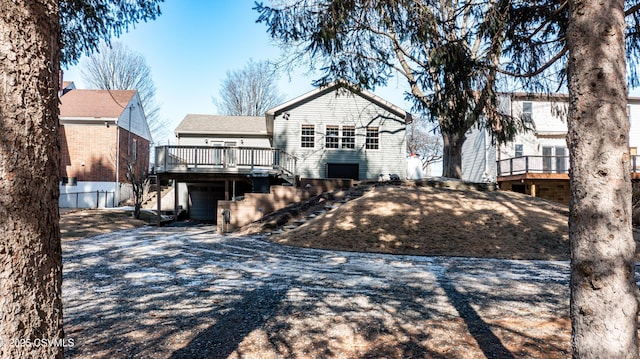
(186, 292)
(488, 342)
(233, 323)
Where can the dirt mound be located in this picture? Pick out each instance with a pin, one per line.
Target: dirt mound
(432, 221)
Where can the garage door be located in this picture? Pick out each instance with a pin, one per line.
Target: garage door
(343, 170)
(204, 202)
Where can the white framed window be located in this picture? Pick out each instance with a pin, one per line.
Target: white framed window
(134, 151)
(518, 150)
(307, 136)
(555, 159)
(527, 111)
(372, 141)
(332, 136)
(348, 137)
(343, 137)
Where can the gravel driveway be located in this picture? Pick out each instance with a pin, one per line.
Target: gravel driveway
(186, 292)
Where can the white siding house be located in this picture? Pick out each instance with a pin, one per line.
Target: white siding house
(337, 132)
(332, 132)
(478, 157)
(536, 162)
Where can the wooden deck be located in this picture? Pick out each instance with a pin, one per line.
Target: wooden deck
(224, 161)
(545, 168)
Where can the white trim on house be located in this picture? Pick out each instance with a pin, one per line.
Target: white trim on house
(338, 105)
(549, 113)
(397, 111)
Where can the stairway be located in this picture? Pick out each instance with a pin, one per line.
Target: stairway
(150, 201)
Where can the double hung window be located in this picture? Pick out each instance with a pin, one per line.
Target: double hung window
(349, 137)
(372, 138)
(307, 136)
(332, 137)
(340, 136)
(519, 150)
(527, 111)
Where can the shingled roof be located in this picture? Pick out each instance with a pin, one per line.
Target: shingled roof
(94, 103)
(222, 125)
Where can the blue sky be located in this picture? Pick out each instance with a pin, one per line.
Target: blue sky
(192, 45)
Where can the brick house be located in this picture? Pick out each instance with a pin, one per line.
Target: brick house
(100, 132)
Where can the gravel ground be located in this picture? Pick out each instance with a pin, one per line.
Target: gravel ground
(186, 292)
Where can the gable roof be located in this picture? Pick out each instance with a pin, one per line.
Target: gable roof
(95, 103)
(222, 125)
(68, 85)
(320, 91)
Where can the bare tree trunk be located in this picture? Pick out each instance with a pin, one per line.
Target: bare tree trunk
(452, 154)
(604, 305)
(30, 252)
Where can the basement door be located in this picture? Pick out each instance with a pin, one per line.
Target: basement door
(343, 170)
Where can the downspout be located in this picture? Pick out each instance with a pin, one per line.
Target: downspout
(487, 147)
(116, 191)
(129, 135)
(128, 146)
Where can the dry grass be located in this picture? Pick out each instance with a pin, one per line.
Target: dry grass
(80, 223)
(403, 220)
(399, 220)
(434, 221)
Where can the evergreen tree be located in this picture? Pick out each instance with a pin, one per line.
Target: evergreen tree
(448, 52)
(30, 250)
(589, 42)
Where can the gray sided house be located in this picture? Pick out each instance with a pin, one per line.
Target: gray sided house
(338, 132)
(245, 167)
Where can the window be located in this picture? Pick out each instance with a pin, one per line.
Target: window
(340, 137)
(372, 140)
(518, 150)
(527, 111)
(332, 138)
(555, 159)
(348, 137)
(562, 160)
(134, 149)
(307, 137)
(547, 156)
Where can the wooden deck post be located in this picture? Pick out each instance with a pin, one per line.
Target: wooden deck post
(158, 200)
(175, 200)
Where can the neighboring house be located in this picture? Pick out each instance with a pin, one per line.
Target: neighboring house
(536, 162)
(220, 144)
(331, 132)
(100, 132)
(336, 132)
(213, 130)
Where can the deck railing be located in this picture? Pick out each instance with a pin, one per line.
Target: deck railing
(222, 159)
(544, 164)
